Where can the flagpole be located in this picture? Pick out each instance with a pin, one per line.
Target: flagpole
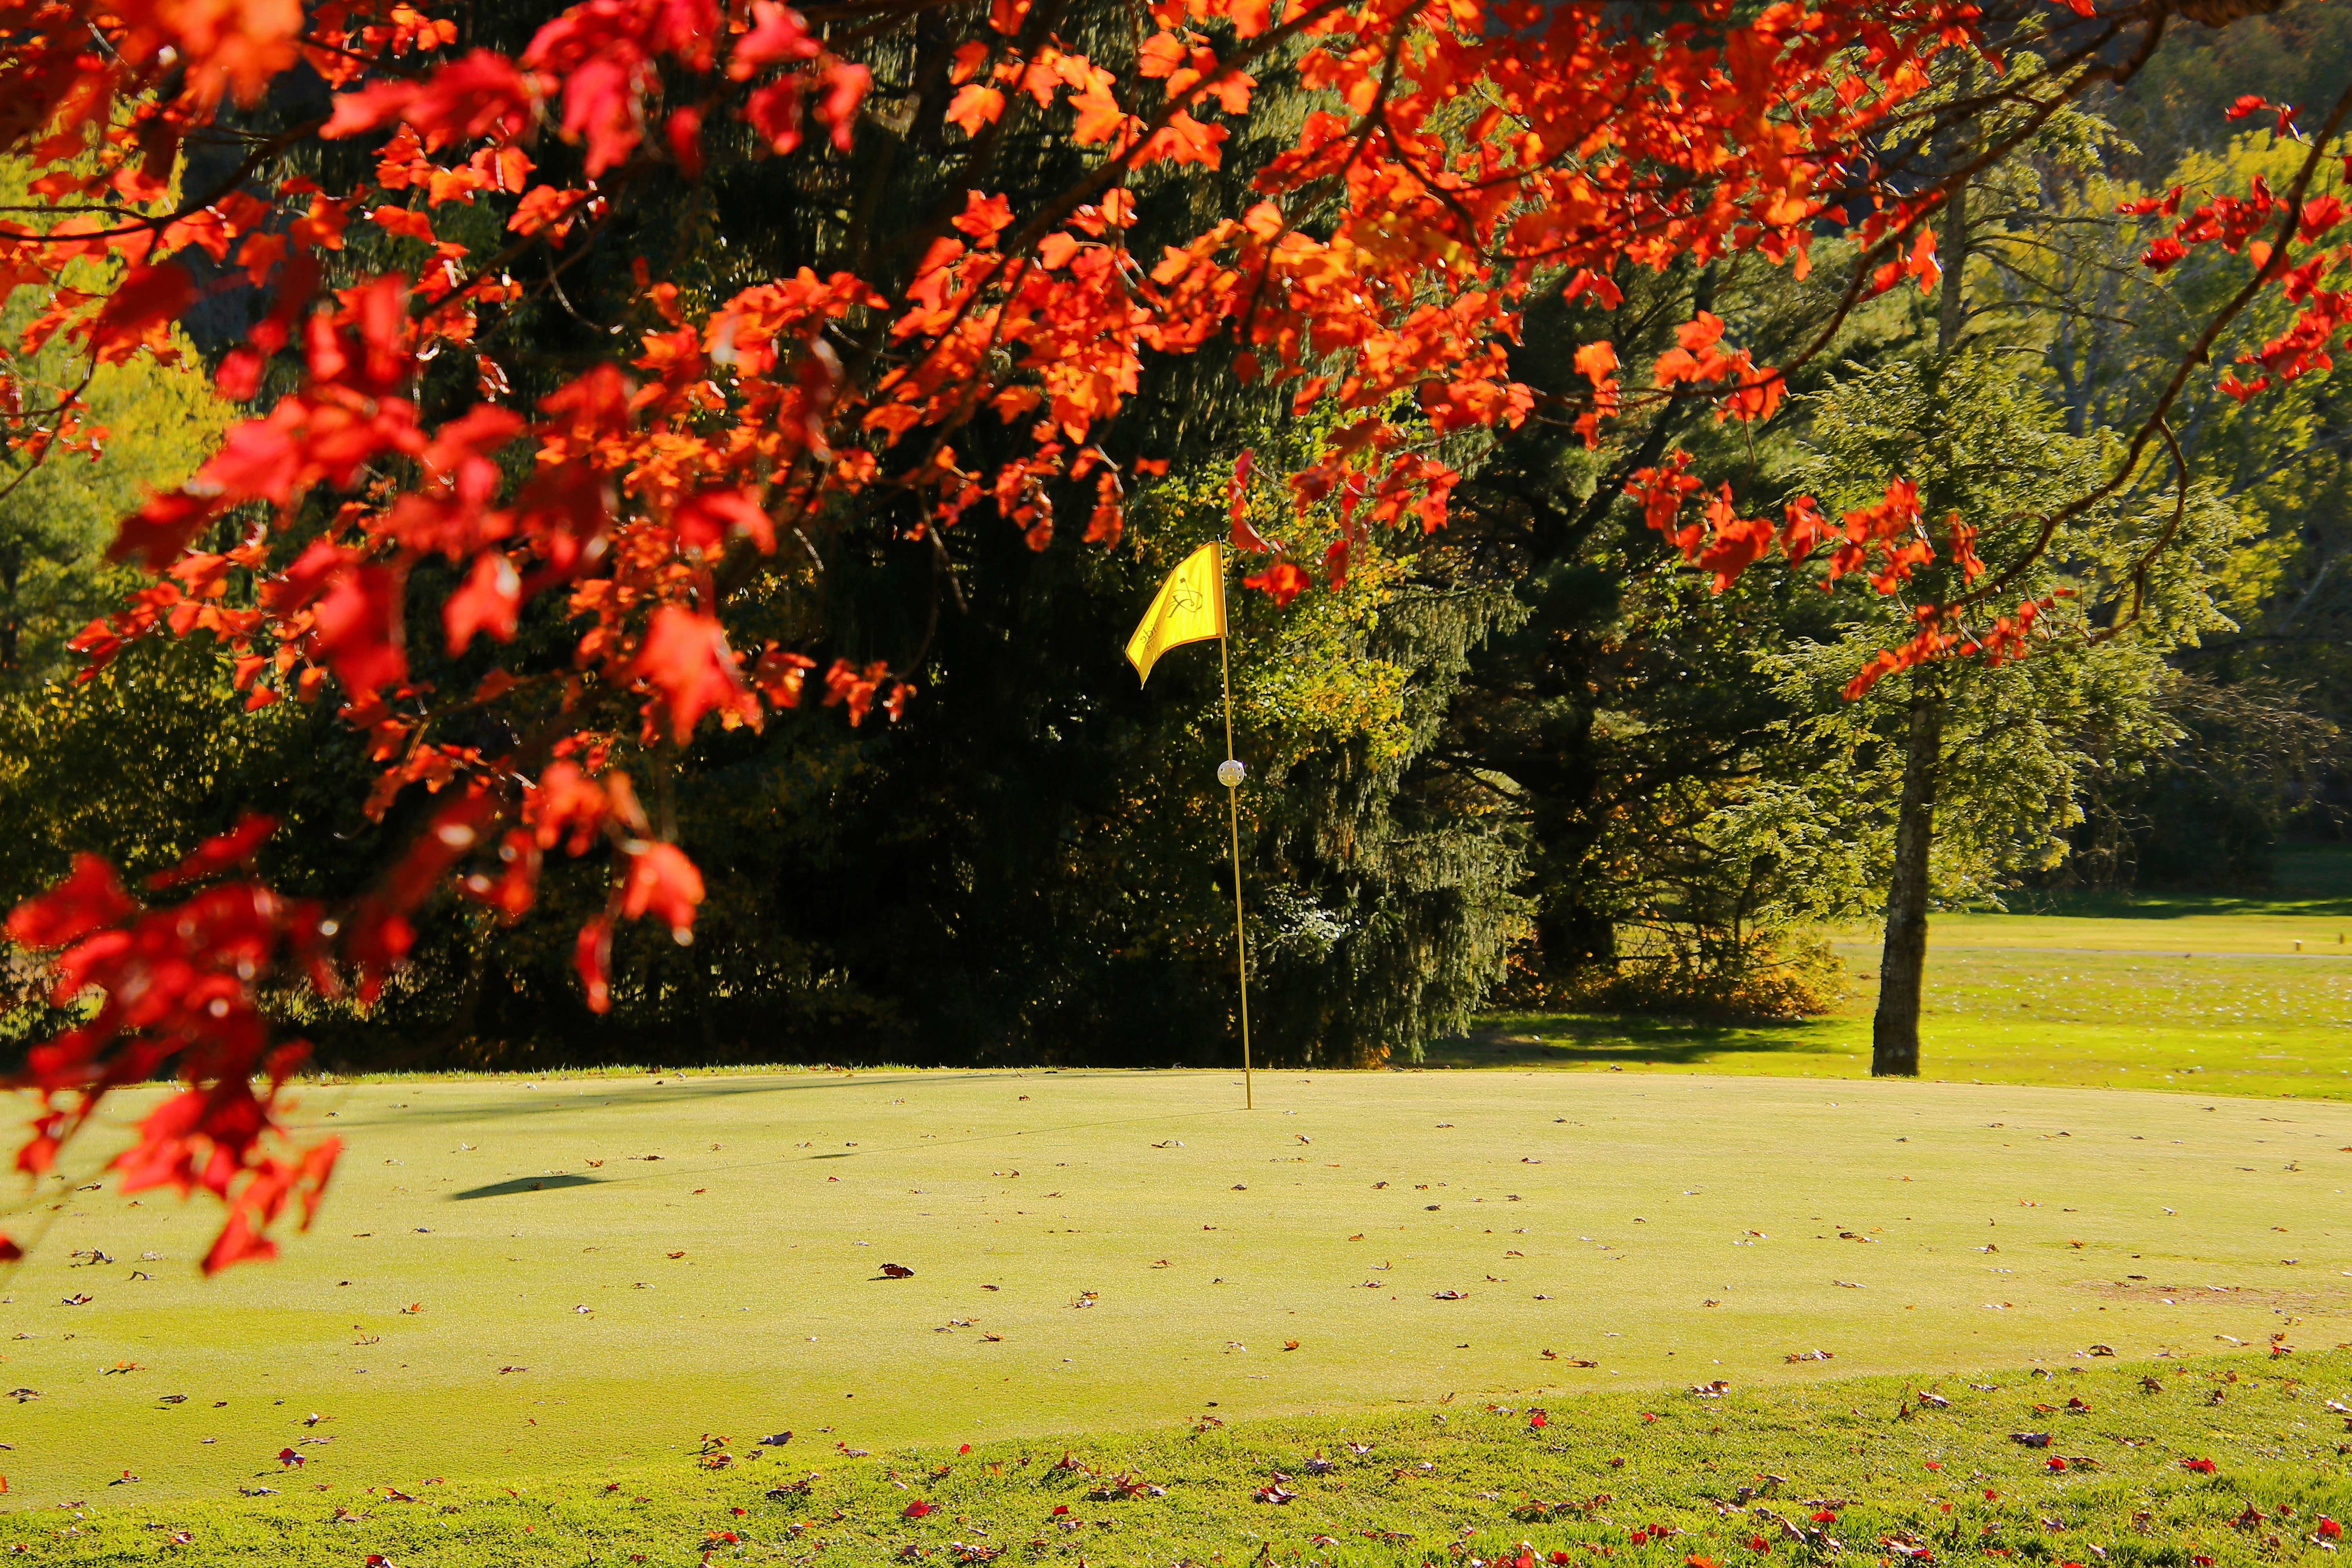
(1230, 775)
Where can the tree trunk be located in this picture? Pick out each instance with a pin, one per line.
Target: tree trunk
(697, 981)
(1902, 966)
(1952, 243)
(12, 566)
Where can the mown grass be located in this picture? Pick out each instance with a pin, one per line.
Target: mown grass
(2204, 994)
(1865, 1470)
(2308, 882)
(2209, 1025)
(503, 1284)
(530, 1301)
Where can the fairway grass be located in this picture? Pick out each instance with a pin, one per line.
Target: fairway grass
(2204, 1024)
(519, 1279)
(2202, 995)
(2230, 1463)
(2199, 993)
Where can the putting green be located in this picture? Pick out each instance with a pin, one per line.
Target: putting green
(503, 1283)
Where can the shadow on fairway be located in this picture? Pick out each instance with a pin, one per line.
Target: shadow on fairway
(597, 1095)
(1569, 1039)
(588, 1091)
(2313, 879)
(529, 1184)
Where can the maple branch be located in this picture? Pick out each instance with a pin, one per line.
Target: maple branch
(2138, 574)
(983, 149)
(1107, 173)
(2198, 354)
(419, 305)
(555, 282)
(63, 407)
(379, 63)
(267, 150)
(1930, 202)
(885, 17)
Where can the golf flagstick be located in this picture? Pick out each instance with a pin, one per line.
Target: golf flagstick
(1229, 773)
(1191, 607)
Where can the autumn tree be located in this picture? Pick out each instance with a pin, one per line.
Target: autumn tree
(645, 544)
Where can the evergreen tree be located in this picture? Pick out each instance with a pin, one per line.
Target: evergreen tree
(1959, 775)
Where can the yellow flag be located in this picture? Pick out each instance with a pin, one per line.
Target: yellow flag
(1189, 607)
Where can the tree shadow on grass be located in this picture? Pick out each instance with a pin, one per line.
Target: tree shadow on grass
(529, 1184)
(2309, 879)
(699, 1089)
(1621, 1040)
(684, 1085)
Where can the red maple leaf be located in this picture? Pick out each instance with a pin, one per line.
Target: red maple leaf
(662, 883)
(487, 601)
(88, 900)
(685, 658)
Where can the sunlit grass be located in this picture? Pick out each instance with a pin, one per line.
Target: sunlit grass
(514, 1314)
(503, 1285)
(2233, 1462)
(2207, 994)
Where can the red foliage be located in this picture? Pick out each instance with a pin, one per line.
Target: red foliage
(685, 658)
(1283, 580)
(179, 983)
